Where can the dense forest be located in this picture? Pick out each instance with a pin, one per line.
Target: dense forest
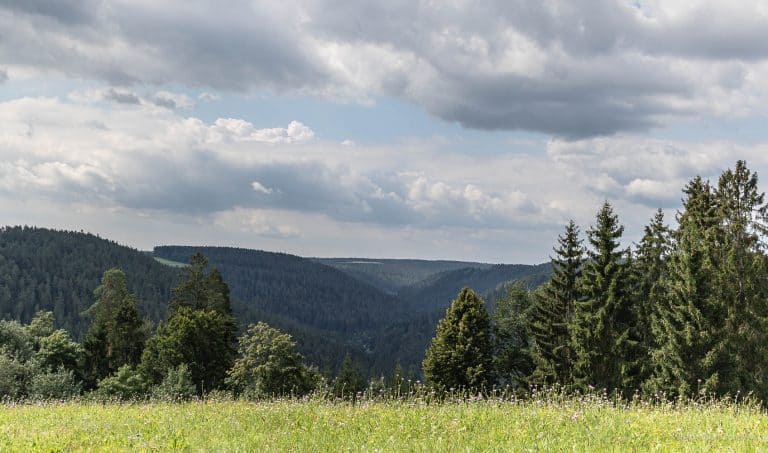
(330, 313)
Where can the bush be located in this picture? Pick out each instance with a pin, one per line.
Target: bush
(126, 384)
(14, 375)
(176, 386)
(59, 384)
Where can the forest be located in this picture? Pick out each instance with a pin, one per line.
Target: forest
(681, 313)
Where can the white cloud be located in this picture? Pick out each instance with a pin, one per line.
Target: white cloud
(232, 129)
(258, 187)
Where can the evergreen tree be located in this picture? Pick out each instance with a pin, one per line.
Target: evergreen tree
(197, 338)
(200, 331)
(511, 356)
(117, 334)
(553, 311)
(349, 381)
(649, 273)
(460, 355)
(601, 327)
(740, 277)
(690, 327)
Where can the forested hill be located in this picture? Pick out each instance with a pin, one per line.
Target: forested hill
(391, 275)
(436, 292)
(304, 290)
(42, 269)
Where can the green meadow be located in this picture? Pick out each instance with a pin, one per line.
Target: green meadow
(381, 426)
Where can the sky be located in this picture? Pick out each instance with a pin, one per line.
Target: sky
(390, 129)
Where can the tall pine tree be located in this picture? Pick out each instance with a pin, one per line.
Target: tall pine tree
(601, 331)
(117, 334)
(553, 311)
(649, 278)
(691, 354)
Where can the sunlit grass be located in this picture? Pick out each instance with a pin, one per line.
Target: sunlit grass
(389, 426)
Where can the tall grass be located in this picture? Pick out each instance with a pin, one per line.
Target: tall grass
(549, 421)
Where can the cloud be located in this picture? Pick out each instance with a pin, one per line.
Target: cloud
(121, 97)
(3, 75)
(234, 129)
(575, 69)
(171, 101)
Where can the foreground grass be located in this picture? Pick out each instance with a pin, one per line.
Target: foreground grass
(393, 426)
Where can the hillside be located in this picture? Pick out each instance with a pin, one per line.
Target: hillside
(391, 275)
(437, 291)
(42, 269)
(327, 311)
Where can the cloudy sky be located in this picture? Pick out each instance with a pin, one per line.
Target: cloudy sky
(402, 129)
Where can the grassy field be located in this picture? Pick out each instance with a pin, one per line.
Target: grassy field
(317, 426)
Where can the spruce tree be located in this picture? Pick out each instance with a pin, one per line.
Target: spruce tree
(511, 346)
(649, 278)
(553, 311)
(740, 277)
(200, 331)
(460, 355)
(601, 328)
(116, 334)
(691, 355)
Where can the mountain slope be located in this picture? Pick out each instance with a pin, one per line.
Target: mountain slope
(391, 275)
(42, 269)
(436, 292)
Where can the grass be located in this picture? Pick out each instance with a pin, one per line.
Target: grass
(381, 426)
(169, 262)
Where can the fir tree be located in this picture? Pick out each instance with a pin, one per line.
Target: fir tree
(553, 312)
(649, 272)
(691, 355)
(511, 357)
(460, 355)
(117, 334)
(601, 327)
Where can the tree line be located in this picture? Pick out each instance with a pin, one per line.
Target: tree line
(682, 313)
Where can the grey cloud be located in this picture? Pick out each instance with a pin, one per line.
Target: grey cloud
(121, 97)
(596, 67)
(165, 102)
(3, 75)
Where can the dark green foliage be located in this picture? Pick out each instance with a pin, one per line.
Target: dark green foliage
(650, 278)
(116, 335)
(38, 361)
(691, 355)
(200, 332)
(349, 381)
(42, 269)
(197, 338)
(511, 349)
(391, 275)
(601, 330)
(460, 355)
(269, 365)
(553, 310)
(432, 294)
(126, 384)
(177, 385)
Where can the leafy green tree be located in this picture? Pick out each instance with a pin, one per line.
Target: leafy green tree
(510, 320)
(269, 365)
(602, 324)
(553, 311)
(200, 331)
(126, 384)
(117, 334)
(177, 385)
(460, 355)
(197, 338)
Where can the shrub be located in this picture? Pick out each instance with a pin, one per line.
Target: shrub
(59, 384)
(176, 386)
(126, 384)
